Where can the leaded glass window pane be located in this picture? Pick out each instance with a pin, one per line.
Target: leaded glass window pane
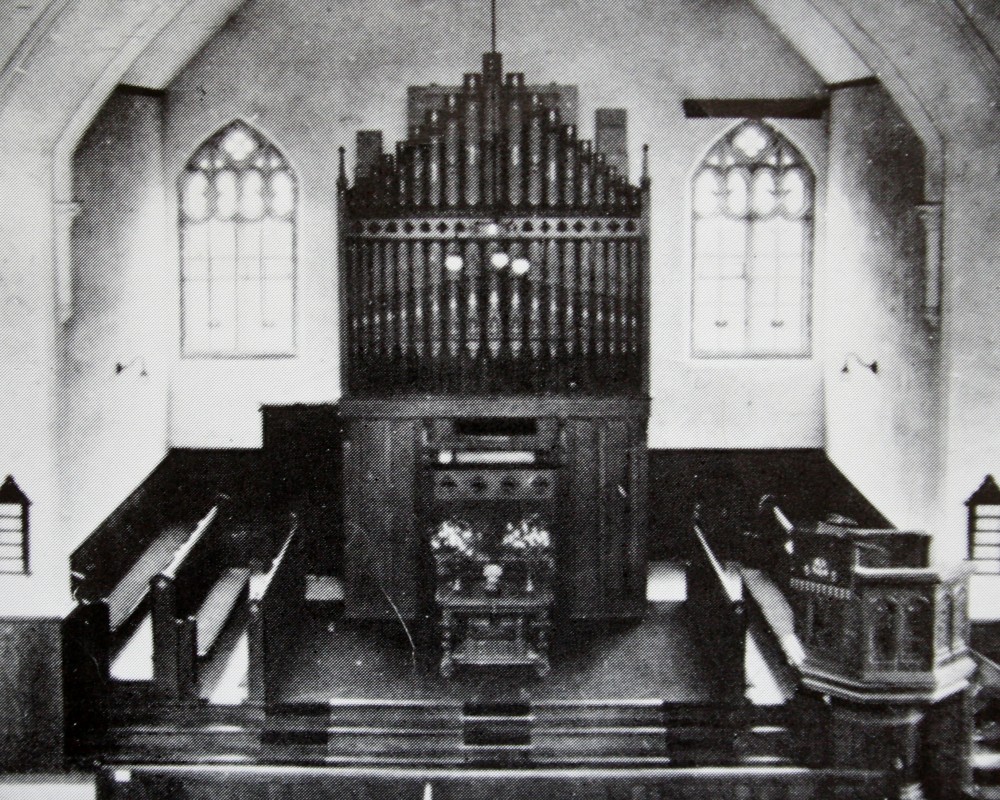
(237, 231)
(752, 243)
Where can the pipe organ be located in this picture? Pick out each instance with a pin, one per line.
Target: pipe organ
(494, 280)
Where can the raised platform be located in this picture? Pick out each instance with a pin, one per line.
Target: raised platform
(251, 782)
(370, 694)
(654, 658)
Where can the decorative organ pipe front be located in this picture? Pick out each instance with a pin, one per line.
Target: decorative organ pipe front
(495, 252)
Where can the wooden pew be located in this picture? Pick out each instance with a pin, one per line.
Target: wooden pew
(192, 599)
(115, 565)
(718, 613)
(277, 606)
(127, 600)
(107, 617)
(129, 594)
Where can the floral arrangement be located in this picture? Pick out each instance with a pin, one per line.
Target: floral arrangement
(530, 534)
(454, 536)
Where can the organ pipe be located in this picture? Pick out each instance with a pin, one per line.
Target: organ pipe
(494, 170)
(434, 145)
(472, 140)
(452, 152)
(514, 142)
(570, 156)
(552, 143)
(535, 152)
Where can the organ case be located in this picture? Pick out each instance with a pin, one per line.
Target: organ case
(494, 265)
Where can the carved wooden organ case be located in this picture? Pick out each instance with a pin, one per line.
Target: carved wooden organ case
(495, 293)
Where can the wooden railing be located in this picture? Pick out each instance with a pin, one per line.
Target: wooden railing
(718, 614)
(276, 605)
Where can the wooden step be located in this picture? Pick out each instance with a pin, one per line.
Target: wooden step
(385, 713)
(554, 744)
(412, 743)
(353, 731)
(172, 743)
(497, 730)
(589, 713)
(497, 755)
(765, 741)
(188, 715)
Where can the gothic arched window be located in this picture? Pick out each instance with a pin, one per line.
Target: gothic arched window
(237, 229)
(752, 247)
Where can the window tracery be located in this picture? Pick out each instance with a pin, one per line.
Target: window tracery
(237, 228)
(752, 247)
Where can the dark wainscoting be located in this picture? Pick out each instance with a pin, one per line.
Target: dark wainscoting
(303, 463)
(298, 470)
(31, 698)
(806, 482)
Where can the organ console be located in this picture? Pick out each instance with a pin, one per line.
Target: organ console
(495, 291)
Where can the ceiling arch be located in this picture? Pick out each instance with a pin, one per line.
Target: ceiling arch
(147, 42)
(816, 40)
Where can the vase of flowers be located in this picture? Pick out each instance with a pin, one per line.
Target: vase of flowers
(454, 544)
(529, 541)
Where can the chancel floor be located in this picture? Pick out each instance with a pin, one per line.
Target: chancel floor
(657, 657)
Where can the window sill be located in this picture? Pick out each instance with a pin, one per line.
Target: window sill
(238, 356)
(754, 358)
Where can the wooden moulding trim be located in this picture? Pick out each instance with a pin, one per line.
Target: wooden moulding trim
(192, 540)
(419, 406)
(924, 688)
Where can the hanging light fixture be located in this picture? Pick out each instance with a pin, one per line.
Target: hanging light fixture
(453, 261)
(519, 264)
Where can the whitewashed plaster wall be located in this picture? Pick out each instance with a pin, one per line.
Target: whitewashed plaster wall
(309, 78)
